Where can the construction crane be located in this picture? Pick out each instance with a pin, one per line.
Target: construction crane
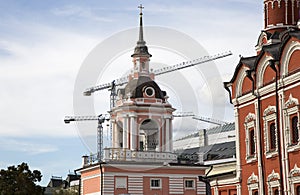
(121, 81)
(101, 119)
(209, 120)
(183, 114)
(200, 118)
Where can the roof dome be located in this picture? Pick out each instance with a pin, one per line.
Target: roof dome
(143, 85)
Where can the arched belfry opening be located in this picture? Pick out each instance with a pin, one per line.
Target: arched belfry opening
(120, 133)
(149, 135)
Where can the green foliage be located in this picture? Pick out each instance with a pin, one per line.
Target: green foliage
(20, 180)
(65, 192)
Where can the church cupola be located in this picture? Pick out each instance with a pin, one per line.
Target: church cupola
(141, 56)
(280, 14)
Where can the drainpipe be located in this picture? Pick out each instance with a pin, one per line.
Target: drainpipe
(273, 67)
(101, 178)
(226, 86)
(205, 180)
(260, 151)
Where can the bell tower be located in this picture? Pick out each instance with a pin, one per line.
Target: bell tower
(142, 117)
(280, 14)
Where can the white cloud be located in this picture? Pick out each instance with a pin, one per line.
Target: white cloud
(88, 13)
(26, 147)
(38, 79)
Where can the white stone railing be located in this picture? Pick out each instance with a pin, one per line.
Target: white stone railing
(139, 101)
(120, 154)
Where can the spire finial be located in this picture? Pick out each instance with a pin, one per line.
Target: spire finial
(141, 9)
(141, 48)
(141, 36)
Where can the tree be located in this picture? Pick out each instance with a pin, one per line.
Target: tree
(20, 180)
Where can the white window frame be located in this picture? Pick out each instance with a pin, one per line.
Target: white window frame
(269, 117)
(294, 178)
(252, 183)
(155, 187)
(291, 109)
(250, 124)
(273, 182)
(120, 182)
(193, 184)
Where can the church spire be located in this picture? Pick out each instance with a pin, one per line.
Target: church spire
(141, 36)
(141, 49)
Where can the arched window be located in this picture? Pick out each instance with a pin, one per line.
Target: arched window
(276, 192)
(298, 190)
(294, 129)
(252, 141)
(272, 136)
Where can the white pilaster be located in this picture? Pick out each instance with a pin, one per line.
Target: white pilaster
(167, 144)
(125, 132)
(171, 135)
(115, 134)
(133, 133)
(238, 158)
(259, 148)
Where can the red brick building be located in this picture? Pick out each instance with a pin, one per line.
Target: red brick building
(265, 92)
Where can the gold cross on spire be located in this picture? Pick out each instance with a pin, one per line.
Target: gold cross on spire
(141, 8)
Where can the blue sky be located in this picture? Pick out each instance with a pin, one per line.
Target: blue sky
(42, 47)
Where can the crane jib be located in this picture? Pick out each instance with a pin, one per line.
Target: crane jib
(157, 72)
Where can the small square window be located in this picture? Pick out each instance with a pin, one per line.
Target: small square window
(189, 183)
(155, 183)
(121, 182)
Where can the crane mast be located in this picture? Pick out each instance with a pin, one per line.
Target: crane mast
(101, 119)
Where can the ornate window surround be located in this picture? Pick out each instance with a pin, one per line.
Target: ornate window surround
(270, 116)
(252, 183)
(291, 109)
(273, 182)
(294, 178)
(250, 124)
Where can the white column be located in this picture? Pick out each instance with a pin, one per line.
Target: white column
(167, 144)
(125, 132)
(163, 135)
(171, 136)
(133, 133)
(115, 135)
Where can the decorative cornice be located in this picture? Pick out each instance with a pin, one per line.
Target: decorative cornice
(295, 171)
(252, 179)
(291, 102)
(250, 117)
(269, 110)
(273, 176)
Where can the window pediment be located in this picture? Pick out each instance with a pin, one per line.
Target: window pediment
(291, 102)
(270, 110)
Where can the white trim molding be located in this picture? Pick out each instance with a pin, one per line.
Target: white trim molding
(240, 81)
(252, 183)
(269, 117)
(287, 53)
(262, 66)
(250, 125)
(273, 182)
(291, 109)
(294, 178)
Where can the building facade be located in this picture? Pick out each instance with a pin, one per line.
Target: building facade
(141, 160)
(265, 92)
